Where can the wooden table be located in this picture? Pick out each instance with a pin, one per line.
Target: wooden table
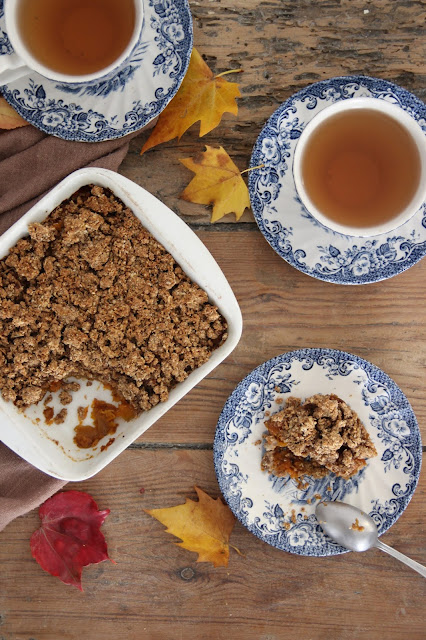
(156, 590)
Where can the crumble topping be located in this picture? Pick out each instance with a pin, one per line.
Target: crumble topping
(91, 294)
(65, 397)
(60, 417)
(322, 434)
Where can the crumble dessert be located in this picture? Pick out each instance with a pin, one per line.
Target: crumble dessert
(322, 434)
(91, 294)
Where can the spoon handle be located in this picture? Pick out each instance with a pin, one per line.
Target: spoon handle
(400, 556)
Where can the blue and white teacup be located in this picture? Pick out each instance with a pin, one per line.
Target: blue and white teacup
(385, 108)
(21, 61)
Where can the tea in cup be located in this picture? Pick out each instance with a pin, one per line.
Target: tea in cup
(360, 166)
(69, 40)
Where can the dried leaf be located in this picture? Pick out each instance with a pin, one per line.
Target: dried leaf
(69, 537)
(203, 527)
(217, 181)
(201, 96)
(9, 119)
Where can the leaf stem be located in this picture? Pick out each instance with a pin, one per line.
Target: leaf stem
(225, 73)
(237, 550)
(259, 166)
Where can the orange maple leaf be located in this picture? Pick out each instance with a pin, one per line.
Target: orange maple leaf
(218, 181)
(9, 119)
(203, 527)
(201, 96)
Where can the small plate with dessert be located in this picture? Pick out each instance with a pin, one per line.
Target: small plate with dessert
(312, 425)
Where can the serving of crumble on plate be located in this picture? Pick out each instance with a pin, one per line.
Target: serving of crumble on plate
(322, 392)
(316, 437)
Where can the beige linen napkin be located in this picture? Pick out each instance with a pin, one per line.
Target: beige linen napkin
(31, 163)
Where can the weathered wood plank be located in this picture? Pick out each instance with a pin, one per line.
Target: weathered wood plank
(158, 591)
(284, 309)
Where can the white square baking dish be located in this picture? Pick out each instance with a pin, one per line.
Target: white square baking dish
(51, 448)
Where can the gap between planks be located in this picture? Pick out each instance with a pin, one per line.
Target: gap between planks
(222, 226)
(172, 445)
(206, 446)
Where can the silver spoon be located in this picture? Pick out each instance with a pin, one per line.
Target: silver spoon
(357, 531)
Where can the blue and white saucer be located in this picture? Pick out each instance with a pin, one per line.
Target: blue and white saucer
(290, 230)
(281, 511)
(119, 103)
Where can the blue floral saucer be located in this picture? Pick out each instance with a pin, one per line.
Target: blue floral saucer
(290, 230)
(281, 511)
(119, 103)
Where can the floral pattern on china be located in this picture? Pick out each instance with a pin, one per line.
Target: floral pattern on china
(281, 511)
(137, 91)
(288, 227)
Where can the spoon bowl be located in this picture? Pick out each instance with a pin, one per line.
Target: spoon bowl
(357, 531)
(347, 525)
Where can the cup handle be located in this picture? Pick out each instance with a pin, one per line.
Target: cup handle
(12, 68)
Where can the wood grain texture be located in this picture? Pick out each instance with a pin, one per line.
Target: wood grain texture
(284, 309)
(157, 591)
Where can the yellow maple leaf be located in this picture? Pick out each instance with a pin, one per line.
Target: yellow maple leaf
(217, 181)
(9, 119)
(201, 96)
(203, 527)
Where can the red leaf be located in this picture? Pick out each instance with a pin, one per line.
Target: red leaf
(69, 537)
